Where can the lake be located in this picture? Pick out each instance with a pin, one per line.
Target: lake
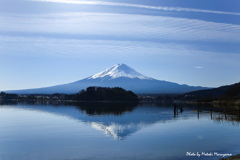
(119, 131)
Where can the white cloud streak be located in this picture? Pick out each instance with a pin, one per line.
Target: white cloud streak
(109, 48)
(78, 48)
(199, 67)
(177, 9)
(126, 27)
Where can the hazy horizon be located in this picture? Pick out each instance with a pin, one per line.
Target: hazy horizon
(50, 42)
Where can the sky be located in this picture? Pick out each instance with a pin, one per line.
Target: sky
(50, 42)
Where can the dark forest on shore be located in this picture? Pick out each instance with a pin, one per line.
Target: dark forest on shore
(90, 94)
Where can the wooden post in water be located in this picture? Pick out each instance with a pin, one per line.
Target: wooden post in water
(211, 112)
(175, 110)
(225, 113)
(239, 111)
(198, 111)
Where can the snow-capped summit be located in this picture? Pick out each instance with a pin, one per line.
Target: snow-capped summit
(119, 70)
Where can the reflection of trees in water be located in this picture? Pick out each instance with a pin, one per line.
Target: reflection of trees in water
(222, 118)
(227, 114)
(90, 108)
(105, 108)
(8, 102)
(220, 113)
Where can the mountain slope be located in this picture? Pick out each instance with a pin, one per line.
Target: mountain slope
(229, 91)
(119, 75)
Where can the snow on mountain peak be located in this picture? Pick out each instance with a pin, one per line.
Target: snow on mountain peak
(119, 70)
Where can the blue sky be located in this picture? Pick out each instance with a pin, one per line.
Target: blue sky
(50, 42)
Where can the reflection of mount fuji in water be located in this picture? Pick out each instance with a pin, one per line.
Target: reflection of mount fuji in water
(117, 120)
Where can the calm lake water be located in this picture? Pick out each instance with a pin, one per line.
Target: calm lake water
(115, 131)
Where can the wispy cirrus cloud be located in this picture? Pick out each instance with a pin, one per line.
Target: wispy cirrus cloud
(46, 46)
(125, 27)
(163, 8)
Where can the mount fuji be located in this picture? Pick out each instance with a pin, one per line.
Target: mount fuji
(119, 75)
